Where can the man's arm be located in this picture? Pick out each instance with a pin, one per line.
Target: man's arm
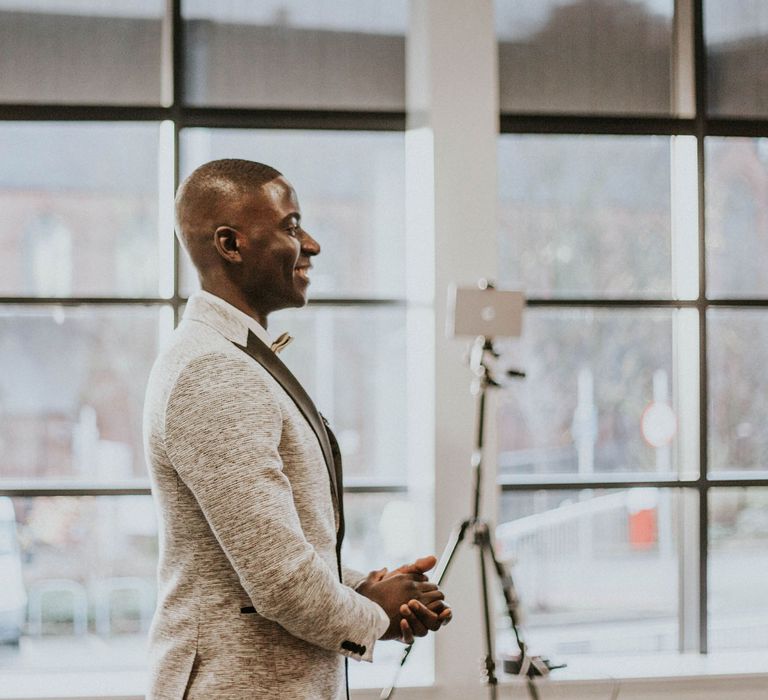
(223, 429)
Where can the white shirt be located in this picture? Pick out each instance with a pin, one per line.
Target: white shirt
(252, 324)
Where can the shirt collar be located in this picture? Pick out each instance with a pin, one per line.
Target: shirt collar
(236, 314)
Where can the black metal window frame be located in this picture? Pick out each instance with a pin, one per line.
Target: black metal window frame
(700, 126)
(182, 115)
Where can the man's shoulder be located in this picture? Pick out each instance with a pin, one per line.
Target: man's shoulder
(197, 350)
(194, 339)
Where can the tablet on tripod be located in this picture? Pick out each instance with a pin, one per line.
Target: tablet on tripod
(484, 311)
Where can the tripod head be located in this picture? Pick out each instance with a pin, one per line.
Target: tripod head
(483, 313)
(482, 363)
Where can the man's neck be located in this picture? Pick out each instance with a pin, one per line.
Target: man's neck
(236, 298)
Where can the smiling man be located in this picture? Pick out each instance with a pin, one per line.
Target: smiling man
(253, 599)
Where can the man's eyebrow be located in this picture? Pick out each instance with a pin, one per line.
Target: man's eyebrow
(292, 215)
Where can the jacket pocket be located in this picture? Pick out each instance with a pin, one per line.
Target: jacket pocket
(191, 674)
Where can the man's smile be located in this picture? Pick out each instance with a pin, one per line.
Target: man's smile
(302, 272)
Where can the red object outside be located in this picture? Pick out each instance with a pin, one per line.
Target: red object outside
(643, 533)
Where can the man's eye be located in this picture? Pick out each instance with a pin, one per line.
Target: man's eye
(293, 230)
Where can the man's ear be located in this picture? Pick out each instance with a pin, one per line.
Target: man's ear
(226, 240)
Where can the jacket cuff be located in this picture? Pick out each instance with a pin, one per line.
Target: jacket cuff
(364, 652)
(352, 577)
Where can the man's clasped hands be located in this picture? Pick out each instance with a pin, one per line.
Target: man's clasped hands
(413, 603)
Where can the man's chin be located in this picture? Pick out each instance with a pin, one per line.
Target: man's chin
(294, 302)
(299, 301)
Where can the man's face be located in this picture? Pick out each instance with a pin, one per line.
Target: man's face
(275, 250)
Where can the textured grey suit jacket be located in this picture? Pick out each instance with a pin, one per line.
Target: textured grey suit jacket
(250, 602)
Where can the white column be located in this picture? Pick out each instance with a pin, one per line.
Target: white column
(452, 95)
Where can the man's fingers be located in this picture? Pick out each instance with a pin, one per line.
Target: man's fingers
(428, 597)
(441, 611)
(415, 621)
(413, 576)
(424, 564)
(427, 593)
(405, 632)
(420, 566)
(425, 586)
(414, 584)
(418, 619)
(424, 615)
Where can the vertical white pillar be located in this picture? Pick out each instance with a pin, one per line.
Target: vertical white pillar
(452, 97)
(683, 88)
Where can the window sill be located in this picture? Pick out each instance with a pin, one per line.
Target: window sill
(644, 675)
(647, 667)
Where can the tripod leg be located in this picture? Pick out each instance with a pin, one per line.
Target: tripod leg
(389, 691)
(512, 603)
(457, 536)
(508, 589)
(455, 539)
(490, 663)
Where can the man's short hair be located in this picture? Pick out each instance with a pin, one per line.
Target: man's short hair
(225, 177)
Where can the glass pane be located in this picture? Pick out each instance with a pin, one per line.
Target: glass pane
(596, 571)
(738, 569)
(585, 216)
(737, 215)
(599, 395)
(613, 56)
(80, 210)
(357, 215)
(352, 362)
(738, 390)
(736, 34)
(72, 393)
(327, 54)
(384, 529)
(79, 582)
(388, 529)
(106, 52)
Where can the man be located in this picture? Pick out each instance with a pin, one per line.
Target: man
(253, 599)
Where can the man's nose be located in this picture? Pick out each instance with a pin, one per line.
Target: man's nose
(309, 246)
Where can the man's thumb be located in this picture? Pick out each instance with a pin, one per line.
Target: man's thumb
(424, 564)
(378, 574)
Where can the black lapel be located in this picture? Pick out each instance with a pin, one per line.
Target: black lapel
(339, 482)
(270, 362)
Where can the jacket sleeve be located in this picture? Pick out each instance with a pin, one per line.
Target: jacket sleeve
(222, 428)
(352, 577)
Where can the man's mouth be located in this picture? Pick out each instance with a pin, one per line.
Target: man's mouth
(302, 272)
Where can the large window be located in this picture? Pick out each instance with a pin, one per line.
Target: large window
(92, 282)
(632, 460)
(584, 57)
(633, 210)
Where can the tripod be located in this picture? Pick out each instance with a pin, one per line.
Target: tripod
(480, 531)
